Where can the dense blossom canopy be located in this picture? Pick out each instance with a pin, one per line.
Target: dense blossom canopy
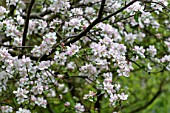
(50, 49)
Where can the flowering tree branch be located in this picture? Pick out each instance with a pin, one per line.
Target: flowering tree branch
(118, 11)
(78, 53)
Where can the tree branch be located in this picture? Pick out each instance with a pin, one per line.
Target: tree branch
(118, 11)
(38, 15)
(96, 21)
(27, 22)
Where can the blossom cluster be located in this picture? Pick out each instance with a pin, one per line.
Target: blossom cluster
(46, 46)
(70, 48)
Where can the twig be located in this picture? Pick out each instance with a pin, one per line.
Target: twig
(27, 22)
(96, 21)
(118, 11)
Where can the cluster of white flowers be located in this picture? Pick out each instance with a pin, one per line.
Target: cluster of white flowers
(6, 109)
(147, 20)
(37, 26)
(79, 108)
(89, 11)
(21, 110)
(20, 20)
(71, 65)
(152, 50)
(112, 89)
(157, 5)
(72, 49)
(114, 51)
(107, 84)
(90, 95)
(100, 55)
(12, 2)
(130, 37)
(3, 12)
(11, 28)
(40, 101)
(76, 11)
(113, 5)
(167, 42)
(54, 23)
(60, 58)
(17, 41)
(46, 46)
(21, 95)
(29, 83)
(109, 31)
(58, 5)
(88, 70)
(137, 6)
(140, 51)
(166, 59)
(44, 65)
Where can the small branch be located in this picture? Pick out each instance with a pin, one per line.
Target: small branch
(38, 15)
(27, 22)
(83, 33)
(99, 98)
(125, 18)
(33, 16)
(45, 13)
(101, 9)
(118, 11)
(12, 10)
(58, 35)
(96, 21)
(13, 47)
(159, 3)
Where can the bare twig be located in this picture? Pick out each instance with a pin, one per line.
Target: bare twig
(27, 22)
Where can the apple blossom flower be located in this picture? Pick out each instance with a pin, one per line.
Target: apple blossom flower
(113, 98)
(71, 65)
(166, 58)
(41, 102)
(151, 50)
(79, 108)
(2, 13)
(123, 96)
(59, 5)
(130, 37)
(72, 49)
(74, 22)
(44, 65)
(67, 104)
(6, 109)
(20, 20)
(38, 89)
(140, 51)
(89, 11)
(21, 110)
(90, 95)
(21, 94)
(77, 11)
